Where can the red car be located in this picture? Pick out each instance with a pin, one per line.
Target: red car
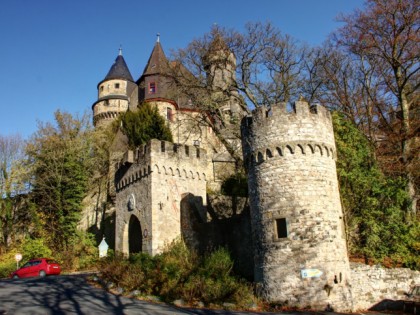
(37, 267)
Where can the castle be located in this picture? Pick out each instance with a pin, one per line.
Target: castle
(291, 240)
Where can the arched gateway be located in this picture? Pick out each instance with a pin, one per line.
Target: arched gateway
(135, 238)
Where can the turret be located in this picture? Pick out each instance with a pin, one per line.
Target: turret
(220, 65)
(113, 93)
(154, 83)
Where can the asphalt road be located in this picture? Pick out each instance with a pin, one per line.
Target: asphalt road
(73, 295)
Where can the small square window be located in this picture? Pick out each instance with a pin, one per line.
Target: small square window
(281, 228)
(102, 88)
(152, 88)
(117, 85)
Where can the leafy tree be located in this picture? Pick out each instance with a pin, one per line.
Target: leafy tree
(60, 157)
(144, 124)
(376, 207)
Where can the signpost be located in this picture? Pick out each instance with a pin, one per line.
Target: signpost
(18, 258)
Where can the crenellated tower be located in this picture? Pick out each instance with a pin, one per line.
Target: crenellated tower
(296, 216)
(114, 93)
(154, 184)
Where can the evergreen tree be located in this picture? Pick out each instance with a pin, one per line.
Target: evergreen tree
(143, 125)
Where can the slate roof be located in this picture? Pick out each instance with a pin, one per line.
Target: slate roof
(119, 70)
(158, 63)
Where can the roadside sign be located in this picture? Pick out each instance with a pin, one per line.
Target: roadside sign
(18, 258)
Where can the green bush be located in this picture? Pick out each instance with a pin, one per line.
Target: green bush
(235, 185)
(81, 254)
(7, 264)
(214, 280)
(33, 248)
(180, 273)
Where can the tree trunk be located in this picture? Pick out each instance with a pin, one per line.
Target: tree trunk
(406, 143)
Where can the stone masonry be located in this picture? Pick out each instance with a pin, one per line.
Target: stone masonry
(151, 183)
(381, 288)
(296, 217)
(293, 227)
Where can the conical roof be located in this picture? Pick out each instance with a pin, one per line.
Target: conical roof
(158, 63)
(119, 70)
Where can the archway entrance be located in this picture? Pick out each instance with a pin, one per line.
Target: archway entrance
(135, 238)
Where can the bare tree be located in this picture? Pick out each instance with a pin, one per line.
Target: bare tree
(342, 82)
(226, 73)
(386, 36)
(14, 181)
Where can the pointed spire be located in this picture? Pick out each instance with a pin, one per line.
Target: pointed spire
(158, 63)
(119, 69)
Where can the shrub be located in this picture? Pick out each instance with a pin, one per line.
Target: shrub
(33, 248)
(7, 264)
(214, 279)
(82, 253)
(180, 273)
(175, 266)
(235, 185)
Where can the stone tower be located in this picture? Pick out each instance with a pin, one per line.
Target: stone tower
(220, 66)
(296, 216)
(113, 93)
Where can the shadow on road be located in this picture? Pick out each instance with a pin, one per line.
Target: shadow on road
(69, 295)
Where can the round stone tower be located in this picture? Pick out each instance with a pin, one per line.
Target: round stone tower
(296, 216)
(113, 93)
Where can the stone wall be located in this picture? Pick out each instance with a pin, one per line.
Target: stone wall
(374, 287)
(296, 217)
(151, 183)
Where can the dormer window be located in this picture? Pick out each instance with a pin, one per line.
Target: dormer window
(152, 88)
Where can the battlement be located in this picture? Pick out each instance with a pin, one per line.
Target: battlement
(300, 109)
(165, 148)
(160, 156)
(302, 128)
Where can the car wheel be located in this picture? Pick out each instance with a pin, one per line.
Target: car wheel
(42, 274)
(15, 277)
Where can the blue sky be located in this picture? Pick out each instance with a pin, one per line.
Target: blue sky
(54, 53)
